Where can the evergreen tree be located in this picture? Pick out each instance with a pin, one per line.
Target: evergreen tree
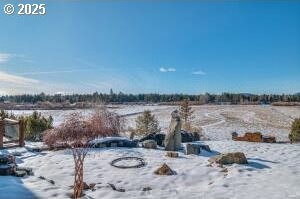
(295, 131)
(186, 114)
(146, 124)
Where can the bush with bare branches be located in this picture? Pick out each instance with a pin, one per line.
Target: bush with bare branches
(77, 132)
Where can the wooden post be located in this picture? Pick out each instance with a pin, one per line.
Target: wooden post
(2, 131)
(21, 133)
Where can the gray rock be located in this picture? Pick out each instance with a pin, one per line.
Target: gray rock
(26, 169)
(115, 188)
(147, 189)
(150, 144)
(37, 149)
(115, 142)
(204, 147)
(16, 153)
(158, 137)
(229, 158)
(20, 173)
(192, 149)
(173, 138)
(7, 169)
(7, 159)
(189, 137)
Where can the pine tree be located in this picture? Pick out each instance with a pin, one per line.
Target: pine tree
(186, 114)
(147, 124)
(294, 136)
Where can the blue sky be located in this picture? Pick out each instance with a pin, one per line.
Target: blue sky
(152, 46)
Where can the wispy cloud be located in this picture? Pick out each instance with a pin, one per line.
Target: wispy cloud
(165, 70)
(51, 72)
(15, 79)
(4, 57)
(199, 72)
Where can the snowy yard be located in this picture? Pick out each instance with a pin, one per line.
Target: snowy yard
(273, 170)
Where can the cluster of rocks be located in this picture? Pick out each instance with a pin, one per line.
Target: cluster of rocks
(8, 167)
(115, 142)
(159, 138)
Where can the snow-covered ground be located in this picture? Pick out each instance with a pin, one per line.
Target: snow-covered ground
(273, 170)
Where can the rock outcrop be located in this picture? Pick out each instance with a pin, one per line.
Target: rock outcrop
(173, 138)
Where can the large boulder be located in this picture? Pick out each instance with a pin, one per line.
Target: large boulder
(173, 138)
(150, 144)
(229, 158)
(164, 170)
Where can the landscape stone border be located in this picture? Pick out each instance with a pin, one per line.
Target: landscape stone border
(141, 162)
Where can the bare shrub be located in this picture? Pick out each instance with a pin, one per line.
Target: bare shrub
(77, 132)
(104, 123)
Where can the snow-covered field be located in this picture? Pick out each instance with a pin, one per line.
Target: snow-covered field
(273, 170)
(218, 122)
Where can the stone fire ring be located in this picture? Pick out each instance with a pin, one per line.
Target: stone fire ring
(140, 162)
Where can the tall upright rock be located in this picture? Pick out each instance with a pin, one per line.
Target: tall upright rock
(173, 138)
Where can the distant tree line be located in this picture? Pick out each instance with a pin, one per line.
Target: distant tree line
(232, 98)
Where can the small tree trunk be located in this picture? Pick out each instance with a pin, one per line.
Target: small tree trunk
(78, 181)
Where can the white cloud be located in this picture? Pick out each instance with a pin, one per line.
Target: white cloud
(4, 57)
(51, 72)
(165, 70)
(9, 78)
(199, 72)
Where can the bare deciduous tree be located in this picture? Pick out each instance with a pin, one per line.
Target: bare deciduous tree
(77, 132)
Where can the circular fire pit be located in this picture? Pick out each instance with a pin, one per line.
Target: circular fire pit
(132, 162)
